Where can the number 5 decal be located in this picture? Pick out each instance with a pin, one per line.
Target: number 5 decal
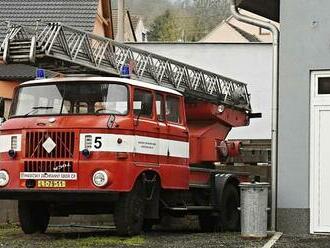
(97, 142)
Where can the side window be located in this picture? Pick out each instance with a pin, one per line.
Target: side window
(160, 107)
(142, 104)
(173, 109)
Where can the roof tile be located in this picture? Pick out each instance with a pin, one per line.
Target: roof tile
(76, 13)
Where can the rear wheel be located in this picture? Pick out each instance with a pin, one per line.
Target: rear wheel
(129, 211)
(230, 216)
(33, 216)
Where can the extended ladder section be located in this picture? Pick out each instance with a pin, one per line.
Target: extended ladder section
(67, 50)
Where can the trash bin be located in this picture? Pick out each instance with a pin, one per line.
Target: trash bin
(254, 199)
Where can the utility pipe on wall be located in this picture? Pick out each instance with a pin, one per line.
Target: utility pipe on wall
(276, 34)
(121, 20)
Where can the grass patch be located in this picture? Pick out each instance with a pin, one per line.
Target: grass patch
(12, 236)
(111, 241)
(9, 226)
(106, 241)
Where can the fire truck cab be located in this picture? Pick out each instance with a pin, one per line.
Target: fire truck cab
(91, 145)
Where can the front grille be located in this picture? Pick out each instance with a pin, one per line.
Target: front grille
(48, 166)
(64, 144)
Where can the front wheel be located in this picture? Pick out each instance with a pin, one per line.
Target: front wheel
(230, 216)
(33, 216)
(129, 211)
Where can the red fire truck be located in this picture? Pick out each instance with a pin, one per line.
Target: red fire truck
(137, 148)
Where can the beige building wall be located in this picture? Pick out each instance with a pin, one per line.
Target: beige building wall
(226, 32)
(103, 21)
(6, 91)
(128, 30)
(98, 26)
(262, 34)
(7, 88)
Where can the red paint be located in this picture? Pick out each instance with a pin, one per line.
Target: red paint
(207, 127)
(201, 124)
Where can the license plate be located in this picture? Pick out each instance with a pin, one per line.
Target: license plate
(48, 175)
(51, 184)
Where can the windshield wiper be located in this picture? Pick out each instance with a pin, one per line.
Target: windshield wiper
(35, 108)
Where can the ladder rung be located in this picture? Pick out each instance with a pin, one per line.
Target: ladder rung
(105, 56)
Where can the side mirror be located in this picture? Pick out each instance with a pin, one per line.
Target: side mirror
(2, 107)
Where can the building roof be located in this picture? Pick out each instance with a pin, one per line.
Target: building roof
(20, 72)
(232, 30)
(77, 13)
(249, 37)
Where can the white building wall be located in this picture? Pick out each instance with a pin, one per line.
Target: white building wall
(247, 62)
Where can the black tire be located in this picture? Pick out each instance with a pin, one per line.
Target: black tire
(209, 223)
(33, 216)
(129, 211)
(230, 215)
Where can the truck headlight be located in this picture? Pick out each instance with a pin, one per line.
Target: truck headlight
(4, 178)
(100, 178)
(88, 142)
(13, 143)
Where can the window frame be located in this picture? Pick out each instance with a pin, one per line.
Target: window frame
(163, 97)
(152, 117)
(15, 98)
(179, 109)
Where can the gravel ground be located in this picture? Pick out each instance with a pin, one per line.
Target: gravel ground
(190, 240)
(85, 237)
(71, 237)
(303, 241)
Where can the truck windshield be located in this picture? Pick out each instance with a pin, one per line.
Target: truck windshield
(70, 99)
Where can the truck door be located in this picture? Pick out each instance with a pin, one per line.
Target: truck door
(163, 132)
(146, 145)
(178, 146)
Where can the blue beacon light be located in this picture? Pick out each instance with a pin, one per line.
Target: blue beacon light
(40, 73)
(124, 72)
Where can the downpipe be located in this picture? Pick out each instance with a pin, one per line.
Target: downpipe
(275, 83)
